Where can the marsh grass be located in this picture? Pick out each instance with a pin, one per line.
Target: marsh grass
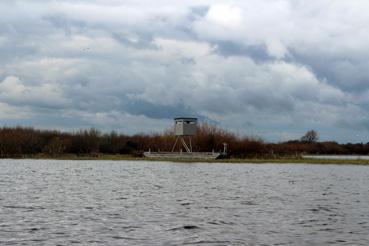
(259, 160)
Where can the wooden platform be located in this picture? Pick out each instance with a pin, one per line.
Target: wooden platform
(183, 155)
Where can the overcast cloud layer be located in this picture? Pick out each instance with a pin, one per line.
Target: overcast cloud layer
(272, 68)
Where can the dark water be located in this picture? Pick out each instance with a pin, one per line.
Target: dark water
(143, 203)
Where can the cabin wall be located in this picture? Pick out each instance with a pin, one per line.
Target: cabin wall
(185, 129)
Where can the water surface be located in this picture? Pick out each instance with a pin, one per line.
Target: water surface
(46, 202)
(337, 157)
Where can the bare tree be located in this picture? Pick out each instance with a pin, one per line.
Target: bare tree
(310, 137)
(56, 146)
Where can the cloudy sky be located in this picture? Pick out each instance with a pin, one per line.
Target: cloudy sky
(271, 68)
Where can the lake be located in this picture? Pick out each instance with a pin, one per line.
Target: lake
(337, 157)
(44, 202)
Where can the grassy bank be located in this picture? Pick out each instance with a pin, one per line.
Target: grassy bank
(260, 160)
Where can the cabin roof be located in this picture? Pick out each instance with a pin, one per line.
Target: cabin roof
(185, 118)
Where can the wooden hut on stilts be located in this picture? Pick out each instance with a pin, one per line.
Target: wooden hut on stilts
(184, 129)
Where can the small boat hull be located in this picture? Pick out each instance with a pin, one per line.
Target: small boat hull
(183, 155)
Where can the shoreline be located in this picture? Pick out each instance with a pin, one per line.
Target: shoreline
(260, 160)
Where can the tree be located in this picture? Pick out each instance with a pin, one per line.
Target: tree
(56, 146)
(310, 137)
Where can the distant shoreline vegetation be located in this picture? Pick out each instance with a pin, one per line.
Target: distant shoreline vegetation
(23, 142)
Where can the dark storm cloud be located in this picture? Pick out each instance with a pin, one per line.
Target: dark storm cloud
(140, 41)
(199, 11)
(158, 111)
(63, 23)
(345, 71)
(256, 52)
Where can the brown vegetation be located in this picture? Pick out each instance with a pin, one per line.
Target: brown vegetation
(20, 141)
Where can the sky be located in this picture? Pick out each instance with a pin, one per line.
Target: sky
(268, 68)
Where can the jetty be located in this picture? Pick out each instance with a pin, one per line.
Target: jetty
(183, 155)
(184, 129)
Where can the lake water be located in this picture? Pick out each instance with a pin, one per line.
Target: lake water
(337, 157)
(156, 203)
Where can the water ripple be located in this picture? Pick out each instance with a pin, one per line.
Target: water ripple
(141, 203)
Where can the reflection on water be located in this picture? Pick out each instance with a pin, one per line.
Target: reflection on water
(143, 203)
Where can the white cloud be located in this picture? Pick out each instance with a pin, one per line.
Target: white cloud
(284, 63)
(14, 91)
(178, 48)
(10, 112)
(226, 16)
